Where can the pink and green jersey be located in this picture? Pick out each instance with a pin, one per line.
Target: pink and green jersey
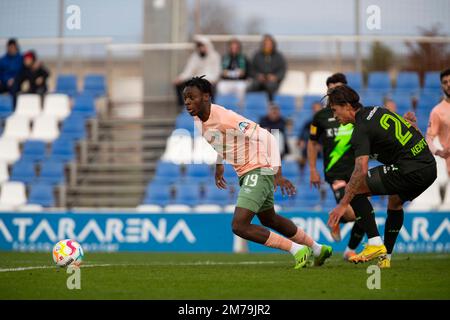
(239, 141)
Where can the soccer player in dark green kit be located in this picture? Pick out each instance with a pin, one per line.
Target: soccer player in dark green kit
(338, 161)
(408, 169)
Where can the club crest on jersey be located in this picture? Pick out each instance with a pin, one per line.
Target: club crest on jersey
(243, 126)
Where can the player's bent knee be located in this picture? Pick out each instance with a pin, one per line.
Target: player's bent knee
(395, 203)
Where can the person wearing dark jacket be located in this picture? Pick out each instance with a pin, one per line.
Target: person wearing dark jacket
(33, 77)
(274, 121)
(235, 69)
(10, 67)
(268, 68)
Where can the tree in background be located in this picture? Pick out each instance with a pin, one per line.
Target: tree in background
(381, 58)
(427, 56)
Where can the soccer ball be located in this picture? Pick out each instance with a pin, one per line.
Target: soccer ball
(67, 252)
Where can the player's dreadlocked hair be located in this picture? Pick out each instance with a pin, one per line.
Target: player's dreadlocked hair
(201, 83)
(343, 94)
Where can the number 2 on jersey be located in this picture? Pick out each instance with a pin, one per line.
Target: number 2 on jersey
(402, 138)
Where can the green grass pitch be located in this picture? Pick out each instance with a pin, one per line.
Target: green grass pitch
(220, 276)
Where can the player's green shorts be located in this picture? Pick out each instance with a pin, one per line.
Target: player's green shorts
(256, 192)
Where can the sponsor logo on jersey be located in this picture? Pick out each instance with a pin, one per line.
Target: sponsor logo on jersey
(372, 113)
(243, 126)
(331, 119)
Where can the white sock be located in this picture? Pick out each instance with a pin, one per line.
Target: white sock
(389, 256)
(375, 241)
(295, 248)
(316, 248)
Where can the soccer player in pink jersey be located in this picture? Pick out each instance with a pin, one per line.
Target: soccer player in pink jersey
(254, 154)
(439, 124)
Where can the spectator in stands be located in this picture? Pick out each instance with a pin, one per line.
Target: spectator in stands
(439, 123)
(336, 79)
(303, 136)
(33, 77)
(390, 105)
(274, 121)
(10, 67)
(205, 60)
(268, 68)
(235, 67)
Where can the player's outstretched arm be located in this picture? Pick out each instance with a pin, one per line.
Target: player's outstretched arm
(356, 185)
(314, 180)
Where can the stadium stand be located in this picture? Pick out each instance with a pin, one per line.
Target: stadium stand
(379, 83)
(46, 139)
(317, 82)
(57, 105)
(94, 84)
(195, 183)
(28, 106)
(67, 84)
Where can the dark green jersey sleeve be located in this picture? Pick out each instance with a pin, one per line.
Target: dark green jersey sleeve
(315, 129)
(360, 141)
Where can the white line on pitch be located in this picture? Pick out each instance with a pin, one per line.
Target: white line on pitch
(198, 263)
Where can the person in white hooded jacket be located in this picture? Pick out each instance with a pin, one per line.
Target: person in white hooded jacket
(205, 60)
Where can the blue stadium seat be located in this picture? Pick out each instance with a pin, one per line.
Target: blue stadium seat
(286, 103)
(218, 196)
(432, 82)
(41, 194)
(229, 172)
(251, 115)
(304, 192)
(379, 82)
(403, 101)
(355, 80)
(167, 171)
(257, 111)
(63, 149)
(84, 106)
(290, 169)
(67, 83)
(94, 84)
(228, 101)
(185, 121)
(309, 100)
(255, 100)
(427, 101)
(52, 172)
(284, 201)
(371, 99)
(159, 196)
(6, 106)
(198, 172)
(407, 82)
(34, 150)
(74, 127)
(187, 194)
(23, 171)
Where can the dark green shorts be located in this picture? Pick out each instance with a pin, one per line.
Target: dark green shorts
(256, 192)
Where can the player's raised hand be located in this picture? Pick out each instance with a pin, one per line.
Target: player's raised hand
(411, 118)
(314, 179)
(336, 214)
(220, 180)
(287, 188)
